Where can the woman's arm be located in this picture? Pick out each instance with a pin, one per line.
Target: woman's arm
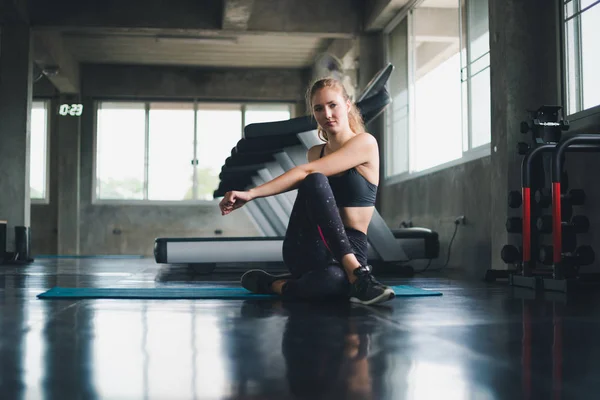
(356, 151)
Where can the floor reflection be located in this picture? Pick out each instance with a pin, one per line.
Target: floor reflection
(558, 347)
(325, 347)
(160, 353)
(475, 342)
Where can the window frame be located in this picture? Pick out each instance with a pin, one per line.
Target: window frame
(472, 153)
(584, 119)
(197, 104)
(47, 105)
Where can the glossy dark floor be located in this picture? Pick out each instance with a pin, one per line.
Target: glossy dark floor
(477, 341)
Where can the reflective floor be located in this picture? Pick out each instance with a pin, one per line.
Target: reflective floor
(477, 341)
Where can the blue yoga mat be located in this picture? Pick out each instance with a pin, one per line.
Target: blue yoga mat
(186, 293)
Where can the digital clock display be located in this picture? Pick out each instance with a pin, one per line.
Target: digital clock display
(74, 110)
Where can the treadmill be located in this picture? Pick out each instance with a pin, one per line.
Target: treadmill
(265, 151)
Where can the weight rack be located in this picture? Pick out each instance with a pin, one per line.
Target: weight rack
(548, 267)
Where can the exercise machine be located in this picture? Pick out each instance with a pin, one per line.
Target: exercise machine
(266, 151)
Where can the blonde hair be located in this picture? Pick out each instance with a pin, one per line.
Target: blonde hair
(355, 119)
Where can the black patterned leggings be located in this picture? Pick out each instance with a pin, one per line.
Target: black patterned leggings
(315, 242)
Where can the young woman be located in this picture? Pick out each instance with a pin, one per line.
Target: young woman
(325, 246)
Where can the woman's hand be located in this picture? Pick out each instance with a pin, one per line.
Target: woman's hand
(234, 200)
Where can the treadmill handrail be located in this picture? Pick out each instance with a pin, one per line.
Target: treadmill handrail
(377, 82)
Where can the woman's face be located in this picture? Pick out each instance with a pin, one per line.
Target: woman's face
(330, 110)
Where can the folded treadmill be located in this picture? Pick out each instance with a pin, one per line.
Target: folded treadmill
(266, 151)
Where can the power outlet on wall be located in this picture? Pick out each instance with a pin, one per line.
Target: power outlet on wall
(460, 220)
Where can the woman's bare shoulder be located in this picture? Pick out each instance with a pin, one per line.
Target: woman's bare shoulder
(365, 139)
(366, 136)
(314, 152)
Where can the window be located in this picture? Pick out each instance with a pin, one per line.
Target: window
(475, 74)
(440, 88)
(582, 54)
(256, 113)
(120, 151)
(397, 119)
(434, 52)
(169, 151)
(220, 128)
(38, 150)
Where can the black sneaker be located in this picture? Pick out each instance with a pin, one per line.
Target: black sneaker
(259, 281)
(367, 290)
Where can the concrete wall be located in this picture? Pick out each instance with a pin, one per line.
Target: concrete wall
(336, 17)
(15, 123)
(43, 88)
(44, 229)
(131, 229)
(435, 200)
(530, 80)
(225, 84)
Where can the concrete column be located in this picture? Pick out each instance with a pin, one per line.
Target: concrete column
(15, 112)
(68, 179)
(524, 76)
(371, 58)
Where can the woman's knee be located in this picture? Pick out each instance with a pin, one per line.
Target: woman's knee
(315, 178)
(313, 181)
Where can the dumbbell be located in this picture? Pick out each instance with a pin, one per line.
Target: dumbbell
(566, 210)
(511, 254)
(514, 225)
(583, 255)
(575, 197)
(578, 224)
(514, 199)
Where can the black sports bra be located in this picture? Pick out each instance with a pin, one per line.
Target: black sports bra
(351, 189)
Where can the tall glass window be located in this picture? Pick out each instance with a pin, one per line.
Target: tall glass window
(38, 150)
(582, 54)
(169, 151)
(441, 110)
